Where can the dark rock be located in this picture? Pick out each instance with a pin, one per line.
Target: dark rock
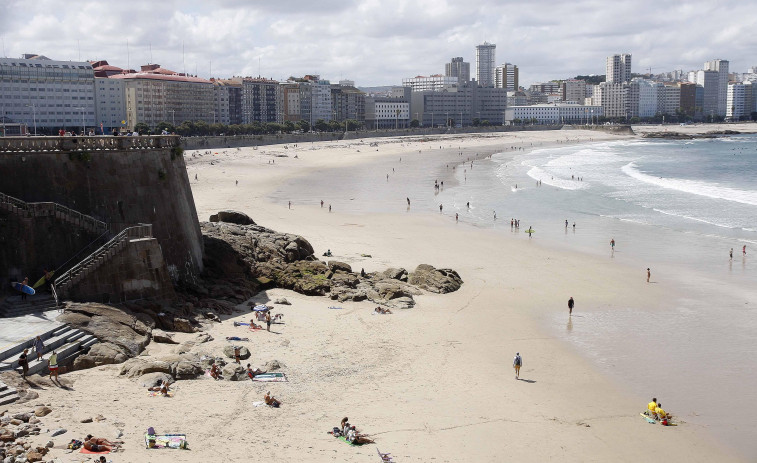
(136, 367)
(239, 218)
(395, 273)
(435, 280)
(335, 265)
(22, 416)
(244, 353)
(213, 218)
(162, 337)
(183, 325)
(189, 370)
(58, 432)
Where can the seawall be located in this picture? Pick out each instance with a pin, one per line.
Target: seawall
(122, 181)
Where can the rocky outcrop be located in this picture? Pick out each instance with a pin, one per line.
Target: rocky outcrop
(260, 257)
(177, 366)
(128, 330)
(244, 353)
(441, 280)
(239, 218)
(234, 372)
(102, 353)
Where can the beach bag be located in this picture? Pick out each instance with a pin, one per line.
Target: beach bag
(517, 361)
(75, 444)
(151, 431)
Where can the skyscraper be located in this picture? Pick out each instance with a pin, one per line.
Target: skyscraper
(458, 68)
(485, 64)
(618, 68)
(506, 76)
(721, 66)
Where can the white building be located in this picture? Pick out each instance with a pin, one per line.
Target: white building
(485, 59)
(736, 101)
(386, 113)
(618, 68)
(553, 113)
(110, 104)
(721, 66)
(433, 83)
(613, 97)
(506, 76)
(43, 93)
(573, 90)
(642, 98)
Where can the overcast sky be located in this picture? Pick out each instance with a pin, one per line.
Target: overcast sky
(378, 42)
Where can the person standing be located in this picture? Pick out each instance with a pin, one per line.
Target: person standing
(268, 320)
(39, 347)
(566, 223)
(649, 274)
(24, 363)
(743, 251)
(730, 254)
(517, 363)
(25, 283)
(456, 217)
(570, 305)
(52, 365)
(612, 244)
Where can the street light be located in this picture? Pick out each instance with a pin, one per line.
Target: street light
(34, 115)
(83, 127)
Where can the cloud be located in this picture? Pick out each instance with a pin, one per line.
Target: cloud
(378, 42)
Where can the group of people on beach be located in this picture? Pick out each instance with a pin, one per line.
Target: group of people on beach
(39, 347)
(350, 433)
(654, 410)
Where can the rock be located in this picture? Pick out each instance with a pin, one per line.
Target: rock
(137, 367)
(50, 444)
(9, 459)
(234, 372)
(183, 325)
(26, 396)
(273, 365)
(213, 218)
(435, 280)
(153, 379)
(34, 456)
(188, 370)
(282, 301)
(22, 416)
(403, 303)
(349, 280)
(392, 289)
(102, 353)
(58, 432)
(239, 218)
(395, 273)
(42, 410)
(335, 265)
(115, 325)
(244, 353)
(16, 422)
(7, 436)
(163, 337)
(99, 418)
(86, 419)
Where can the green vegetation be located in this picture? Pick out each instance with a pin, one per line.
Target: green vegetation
(176, 152)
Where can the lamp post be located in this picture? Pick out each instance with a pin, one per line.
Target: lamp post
(83, 127)
(432, 120)
(446, 122)
(34, 115)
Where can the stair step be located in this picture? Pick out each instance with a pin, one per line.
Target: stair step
(66, 351)
(55, 342)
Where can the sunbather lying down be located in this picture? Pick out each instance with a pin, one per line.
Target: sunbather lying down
(356, 438)
(162, 387)
(271, 401)
(100, 444)
(251, 373)
(236, 338)
(382, 311)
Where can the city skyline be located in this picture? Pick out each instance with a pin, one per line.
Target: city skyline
(378, 43)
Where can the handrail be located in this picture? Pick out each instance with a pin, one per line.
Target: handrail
(135, 232)
(50, 208)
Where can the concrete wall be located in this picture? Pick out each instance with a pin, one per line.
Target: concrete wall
(193, 143)
(30, 245)
(141, 184)
(137, 272)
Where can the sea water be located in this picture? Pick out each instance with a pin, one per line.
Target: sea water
(676, 207)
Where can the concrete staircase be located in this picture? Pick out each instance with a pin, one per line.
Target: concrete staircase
(46, 209)
(68, 342)
(92, 262)
(7, 394)
(14, 306)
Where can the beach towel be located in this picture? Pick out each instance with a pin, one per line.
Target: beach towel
(335, 307)
(344, 439)
(271, 378)
(103, 452)
(167, 441)
(258, 404)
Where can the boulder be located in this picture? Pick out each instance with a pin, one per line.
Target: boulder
(335, 265)
(26, 396)
(273, 365)
(435, 280)
(239, 218)
(395, 274)
(22, 416)
(244, 353)
(116, 325)
(183, 325)
(282, 301)
(213, 218)
(34, 456)
(234, 372)
(137, 367)
(188, 370)
(153, 379)
(163, 337)
(392, 289)
(7, 436)
(42, 410)
(58, 432)
(102, 353)
(85, 419)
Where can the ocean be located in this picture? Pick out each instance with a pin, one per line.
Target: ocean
(675, 206)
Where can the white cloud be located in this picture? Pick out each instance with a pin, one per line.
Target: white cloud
(376, 42)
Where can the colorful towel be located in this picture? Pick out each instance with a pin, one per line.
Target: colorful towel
(167, 441)
(344, 439)
(271, 378)
(104, 452)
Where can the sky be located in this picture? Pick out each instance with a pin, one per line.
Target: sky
(380, 42)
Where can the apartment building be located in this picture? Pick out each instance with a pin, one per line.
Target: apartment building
(347, 102)
(290, 102)
(260, 100)
(485, 59)
(613, 97)
(506, 76)
(430, 83)
(668, 99)
(618, 68)
(388, 112)
(560, 113)
(459, 69)
(573, 90)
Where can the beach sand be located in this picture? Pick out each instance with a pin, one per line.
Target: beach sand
(431, 383)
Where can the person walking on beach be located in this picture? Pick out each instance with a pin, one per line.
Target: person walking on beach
(649, 274)
(517, 363)
(440, 208)
(456, 217)
(408, 201)
(612, 245)
(290, 204)
(566, 224)
(730, 254)
(329, 207)
(743, 251)
(321, 203)
(570, 305)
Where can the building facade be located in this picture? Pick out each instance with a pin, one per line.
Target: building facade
(506, 76)
(260, 100)
(433, 83)
(668, 99)
(688, 98)
(553, 114)
(43, 93)
(708, 80)
(459, 69)
(613, 97)
(110, 104)
(618, 68)
(290, 102)
(348, 103)
(485, 59)
(736, 101)
(388, 112)
(573, 90)
(721, 67)
(642, 98)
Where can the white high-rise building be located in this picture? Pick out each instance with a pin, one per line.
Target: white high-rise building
(736, 101)
(485, 59)
(721, 66)
(506, 76)
(613, 97)
(642, 98)
(618, 68)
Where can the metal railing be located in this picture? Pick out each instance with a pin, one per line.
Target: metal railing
(135, 232)
(92, 144)
(49, 209)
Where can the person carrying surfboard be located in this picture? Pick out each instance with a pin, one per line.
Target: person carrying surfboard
(24, 283)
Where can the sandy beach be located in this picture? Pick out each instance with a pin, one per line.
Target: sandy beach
(431, 383)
